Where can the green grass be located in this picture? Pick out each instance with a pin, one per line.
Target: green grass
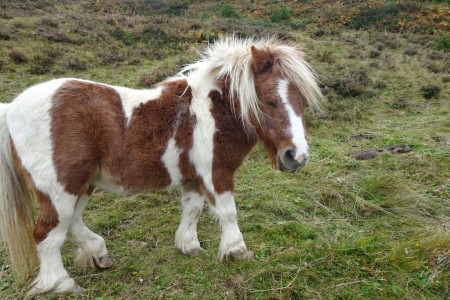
(339, 229)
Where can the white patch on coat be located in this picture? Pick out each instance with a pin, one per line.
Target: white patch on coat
(296, 129)
(171, 160)
(202, 151)
(29, 123)
(133, 98)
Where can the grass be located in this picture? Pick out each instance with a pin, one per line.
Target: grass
(341, 228)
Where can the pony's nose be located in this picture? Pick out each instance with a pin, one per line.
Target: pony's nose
(293, 161)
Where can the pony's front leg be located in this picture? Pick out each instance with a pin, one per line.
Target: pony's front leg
(192, 200)
(232, 243)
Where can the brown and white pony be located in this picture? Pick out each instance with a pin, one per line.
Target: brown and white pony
(62, 138)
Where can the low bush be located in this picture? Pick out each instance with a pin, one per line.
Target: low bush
(430, 91)
(120, 34)
(437, 66)
(76, 64)
(56, 36)
(6, 15)
(351, 84)
(228, 11)
(48, 22)
(326, 56)
(411, 50)
(281, 14)
(2, 64)
(443, 43)
(41, 64)
(384, 17)
(400, 103)
(374, 53)
(110, 56)
(17, 56)
(5, 34)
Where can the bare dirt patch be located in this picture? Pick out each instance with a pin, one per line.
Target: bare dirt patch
(367, 154)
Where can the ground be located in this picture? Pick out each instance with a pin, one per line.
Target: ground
(368, 218)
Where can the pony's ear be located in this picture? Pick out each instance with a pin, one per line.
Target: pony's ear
(262, 60)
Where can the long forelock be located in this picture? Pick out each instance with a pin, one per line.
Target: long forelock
(231, 58)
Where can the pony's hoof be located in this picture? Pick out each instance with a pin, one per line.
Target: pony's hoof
(103, 262)
(76, 290)
(69, 286)
(196, 251)
(33, 291)
(241, 254)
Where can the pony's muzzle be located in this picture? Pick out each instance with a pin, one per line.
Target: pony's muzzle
(288, 161)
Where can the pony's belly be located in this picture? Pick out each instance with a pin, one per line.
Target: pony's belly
(105, 183)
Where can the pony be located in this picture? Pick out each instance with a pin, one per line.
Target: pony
(61, 139)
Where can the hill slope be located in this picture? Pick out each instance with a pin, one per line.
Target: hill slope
(343, 228)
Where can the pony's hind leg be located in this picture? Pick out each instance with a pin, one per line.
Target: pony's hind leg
(192, 200)
(50, 233)
(92, 249)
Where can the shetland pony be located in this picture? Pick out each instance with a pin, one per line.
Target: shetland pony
(61, 139)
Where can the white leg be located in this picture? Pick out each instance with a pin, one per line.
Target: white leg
(232, 243)
(52, 275)
(92, 249)
(186, 236)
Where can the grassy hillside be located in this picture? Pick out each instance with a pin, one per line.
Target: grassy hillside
(343, 228)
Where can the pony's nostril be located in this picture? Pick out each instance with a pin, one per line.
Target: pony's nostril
(289, 155)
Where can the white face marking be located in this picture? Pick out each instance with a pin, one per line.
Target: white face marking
(296, 130)
(171, 160)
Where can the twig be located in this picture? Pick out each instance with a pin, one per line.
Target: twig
(1, 272)
(92, 275)
(346, 283)
(134, 295)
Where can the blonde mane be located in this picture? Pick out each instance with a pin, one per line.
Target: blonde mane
(231, 58)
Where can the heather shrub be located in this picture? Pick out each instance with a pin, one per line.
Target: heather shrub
(430, 91)
(17, 56)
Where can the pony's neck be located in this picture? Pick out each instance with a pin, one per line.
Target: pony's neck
(228, 110)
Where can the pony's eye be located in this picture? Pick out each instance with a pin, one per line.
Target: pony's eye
(271, 104)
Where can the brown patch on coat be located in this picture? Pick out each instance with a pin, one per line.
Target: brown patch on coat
(87, 128)
(48, 218)
(91, 137)
(151, 126)
(231, 143)
(184, 133)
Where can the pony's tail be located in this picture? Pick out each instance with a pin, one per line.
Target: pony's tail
(16, 208)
